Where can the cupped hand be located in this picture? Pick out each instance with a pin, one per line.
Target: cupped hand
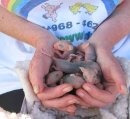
(111, 69)
(95, 97)
(41, 61)
(113, 82)
(53, 97)
(57, 97)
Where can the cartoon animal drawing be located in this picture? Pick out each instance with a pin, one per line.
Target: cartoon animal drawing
(75, 8)
(90, 9)
(51, 11)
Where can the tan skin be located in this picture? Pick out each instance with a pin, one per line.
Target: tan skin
(42, 40)
(113, 74)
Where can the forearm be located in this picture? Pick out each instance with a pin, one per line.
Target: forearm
(113, 29)
(20, 28)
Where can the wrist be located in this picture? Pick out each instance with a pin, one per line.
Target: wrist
(108, 33)
(101, 48)
(44, 43)
(41, 36)
(102, 53)
(101, 45)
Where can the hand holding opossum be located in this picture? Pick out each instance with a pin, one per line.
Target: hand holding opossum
(68, 61)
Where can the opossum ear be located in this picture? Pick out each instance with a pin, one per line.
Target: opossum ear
(70, 47)
(82, 69)
(83, 46)
(85, 72)
(59, 46)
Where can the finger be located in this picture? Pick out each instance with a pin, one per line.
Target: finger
(70, 109)
(119, 77)
(54, 92)
(112, 71)
(61, 102)
(88, 99)
(85, 104)
(99, 94)
(37, 71)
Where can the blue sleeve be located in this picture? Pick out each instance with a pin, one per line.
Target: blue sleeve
(117, 2)
(111, 5)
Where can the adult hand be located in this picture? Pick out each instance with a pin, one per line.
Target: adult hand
(114, 81)
(53, 97)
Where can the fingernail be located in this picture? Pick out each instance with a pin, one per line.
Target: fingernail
(67, 89)
(81, 94)
(36, 89)
(73, 101)
(84, 107)
(124, 89)
(70, 110)
(87, 88)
